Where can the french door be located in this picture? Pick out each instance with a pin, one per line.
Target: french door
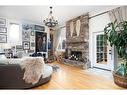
(102, 52)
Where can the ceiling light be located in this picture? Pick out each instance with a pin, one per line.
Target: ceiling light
(50, 21)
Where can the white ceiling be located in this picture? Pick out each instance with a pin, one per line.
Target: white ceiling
(37, 14)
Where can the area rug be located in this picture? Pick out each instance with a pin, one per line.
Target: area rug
(55, 67)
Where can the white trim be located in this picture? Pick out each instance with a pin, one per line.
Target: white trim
(110, 58)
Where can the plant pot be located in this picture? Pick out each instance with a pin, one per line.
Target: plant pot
(120, 80)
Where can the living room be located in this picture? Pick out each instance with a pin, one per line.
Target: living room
(71, 47)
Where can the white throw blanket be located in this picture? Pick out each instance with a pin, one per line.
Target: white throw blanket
(33, 69)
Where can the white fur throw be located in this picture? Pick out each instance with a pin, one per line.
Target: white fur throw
(33, 69)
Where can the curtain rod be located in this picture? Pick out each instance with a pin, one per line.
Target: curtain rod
(98, 14)
(93, 16)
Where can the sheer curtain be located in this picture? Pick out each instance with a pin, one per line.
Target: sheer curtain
(56, 35)
(119, 13)
(62, 37)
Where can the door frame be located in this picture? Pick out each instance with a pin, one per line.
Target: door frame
(110, 52)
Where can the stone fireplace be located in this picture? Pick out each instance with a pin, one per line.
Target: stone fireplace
(78, 49)
(77, 42)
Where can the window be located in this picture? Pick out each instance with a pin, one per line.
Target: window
(14, 33)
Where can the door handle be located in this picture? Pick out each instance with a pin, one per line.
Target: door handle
(110, 52)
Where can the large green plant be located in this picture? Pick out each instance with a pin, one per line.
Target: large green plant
(116, 34)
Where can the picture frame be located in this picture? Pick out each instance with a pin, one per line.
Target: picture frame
(41, 42)
(26, 45)
(32, 39)
(26, 35)
(39, 28)
(3, 30)
(3, 38)
(2, 22)
(32, 44)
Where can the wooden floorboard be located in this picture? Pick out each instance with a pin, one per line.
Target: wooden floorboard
(68, 77)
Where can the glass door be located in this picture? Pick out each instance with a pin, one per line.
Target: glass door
(102, 52)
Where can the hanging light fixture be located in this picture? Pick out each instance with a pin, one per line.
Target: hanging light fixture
(50, 21)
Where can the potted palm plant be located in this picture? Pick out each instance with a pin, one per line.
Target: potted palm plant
(116, 34)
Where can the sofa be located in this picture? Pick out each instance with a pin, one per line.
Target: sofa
(11, 77)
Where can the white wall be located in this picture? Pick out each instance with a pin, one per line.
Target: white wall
(20, 22)
(97, 24)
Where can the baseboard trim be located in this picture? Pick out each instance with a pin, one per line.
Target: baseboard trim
(102, 68)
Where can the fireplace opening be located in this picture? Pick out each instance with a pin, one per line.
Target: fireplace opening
(76, 55)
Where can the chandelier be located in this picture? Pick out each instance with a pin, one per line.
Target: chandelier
(50, 21)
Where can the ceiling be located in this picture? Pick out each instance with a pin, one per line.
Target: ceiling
(37, 14)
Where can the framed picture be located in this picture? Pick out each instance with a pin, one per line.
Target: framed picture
(3, 38)
(41, 42)
(39, 28)
(3, 30)
(2, 22)
(32, 44)
(26, 35)
(32, 39)
(26, 45)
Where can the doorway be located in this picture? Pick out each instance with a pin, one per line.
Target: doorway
(102, 52)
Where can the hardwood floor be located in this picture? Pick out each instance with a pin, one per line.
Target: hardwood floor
(68, 77)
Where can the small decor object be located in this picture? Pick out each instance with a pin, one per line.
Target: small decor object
(26, 45)
(71, 28)
(78, 25)
(63, 44)
(32, 33)
(2, 22)
(116, 34)
(50, 21)
(3, 30)
(3, 38)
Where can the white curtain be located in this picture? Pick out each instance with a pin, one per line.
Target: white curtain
(119, 14)
(56, 37)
